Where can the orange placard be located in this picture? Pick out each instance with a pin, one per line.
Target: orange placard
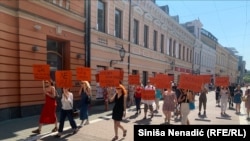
(152, 80)
(83, 73)
(121, 74)
(163, 81)
(64, 79)
(109, 78)
(41, 72)
(148, 95)
(134, 79)
(205, 78)
(190, 82)
(222, 81)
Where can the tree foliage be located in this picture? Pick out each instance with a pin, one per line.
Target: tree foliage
(246, 78)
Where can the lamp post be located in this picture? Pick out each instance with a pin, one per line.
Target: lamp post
(122, 53)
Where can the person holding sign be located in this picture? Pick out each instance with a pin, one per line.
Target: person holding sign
(85, 93)
(66, 111)
(148, 103)
(119, 109)
(48, 114)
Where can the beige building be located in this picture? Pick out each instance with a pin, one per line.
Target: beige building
(154, 42)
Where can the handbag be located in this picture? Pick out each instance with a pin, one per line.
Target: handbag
(88, 99)
(74, 112)
(244, 98)
(191, 106)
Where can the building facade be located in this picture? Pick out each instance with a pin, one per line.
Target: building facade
(36, 32)
(69, 33)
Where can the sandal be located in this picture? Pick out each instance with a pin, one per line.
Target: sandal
(37, 131)
(114, 138)
(54, 130)
(124, 133)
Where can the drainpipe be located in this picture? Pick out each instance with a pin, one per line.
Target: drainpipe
(87, 33)
(129, 38)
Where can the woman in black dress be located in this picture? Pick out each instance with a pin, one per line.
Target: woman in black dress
(119, 110)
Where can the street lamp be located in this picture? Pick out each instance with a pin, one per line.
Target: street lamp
(171, 67)
(122, 53)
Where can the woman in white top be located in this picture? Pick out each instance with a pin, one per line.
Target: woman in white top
(66, 111)
(224, 94)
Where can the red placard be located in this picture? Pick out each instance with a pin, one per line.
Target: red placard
(109, 78)
(222, 81)
(83, 73)
(64, 79)
(134, 79)
(41, 72)
(148, 94)
(163, 81)
(190, 82)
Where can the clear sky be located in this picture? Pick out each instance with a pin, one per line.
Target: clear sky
(227, 20)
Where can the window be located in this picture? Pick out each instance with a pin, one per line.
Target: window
(136, 32)
(146, 36)
(187, 55)
(183, 53)
(162, 43)
(170, 47)
(101, 16)
(118, 23)
(54, 56)
(154, 74)
(155, 40)
(179, 51)
(61, 3)
(134, 72)
(191, 55)
(174, 48)
(144, 77)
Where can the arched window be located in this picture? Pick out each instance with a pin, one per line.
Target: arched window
(54, 57)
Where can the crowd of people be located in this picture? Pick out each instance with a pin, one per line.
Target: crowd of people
(176, 102)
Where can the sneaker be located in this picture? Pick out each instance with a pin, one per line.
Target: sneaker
(204, 113)
(199, 113)
(58, 135)
(75, 131)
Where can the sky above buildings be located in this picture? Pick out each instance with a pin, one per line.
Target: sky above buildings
(227, 20)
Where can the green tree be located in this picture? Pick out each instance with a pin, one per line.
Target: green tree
(246, 78)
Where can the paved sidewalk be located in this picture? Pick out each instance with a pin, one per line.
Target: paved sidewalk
(101, 124)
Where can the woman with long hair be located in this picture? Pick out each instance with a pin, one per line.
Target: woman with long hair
(119, 109)
(48, 114)
(169, 102)
(85, 93)
(184, 99)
